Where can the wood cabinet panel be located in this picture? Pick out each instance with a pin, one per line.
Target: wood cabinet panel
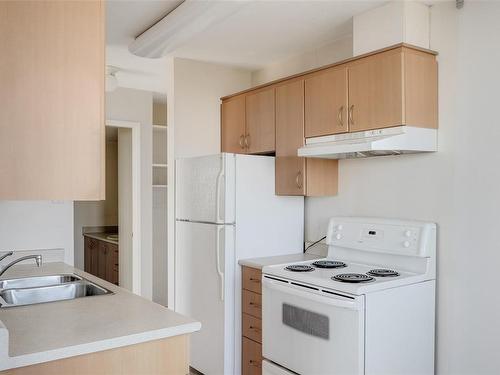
(293, 177)
(101, 259)
(290, 169)
(52, 93)
(112, 263)
(251, 358)
(421, 89)
(290, 175)
(251, 279)
(321, 177)
(289, 118)
(165, 356)
(252, 328)
(376, 91)
(233, 125)
(326, 102)
(252, 304)
(260, 122)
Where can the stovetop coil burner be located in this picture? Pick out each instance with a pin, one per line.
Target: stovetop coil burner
(383, 273)
(329, 264)
(299, 268)
(353, 278)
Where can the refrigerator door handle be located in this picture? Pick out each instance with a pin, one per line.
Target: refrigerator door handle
(220, 176)
(218, 267)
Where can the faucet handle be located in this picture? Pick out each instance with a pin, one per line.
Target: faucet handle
(5, 255)
(38, 260)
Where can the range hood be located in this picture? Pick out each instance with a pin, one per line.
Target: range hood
(380, 142)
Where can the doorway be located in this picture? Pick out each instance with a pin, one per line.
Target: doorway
(107, 233)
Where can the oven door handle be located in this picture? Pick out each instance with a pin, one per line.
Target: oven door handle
(335, 301)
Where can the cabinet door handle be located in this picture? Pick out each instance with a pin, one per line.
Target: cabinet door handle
(339, 116)
(351, 117)
(247, 141)
(242, 138)
(298, 180)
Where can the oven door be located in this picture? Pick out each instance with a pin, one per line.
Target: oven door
(309, 331)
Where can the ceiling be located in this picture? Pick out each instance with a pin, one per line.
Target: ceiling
(258, 34)
(265, 32)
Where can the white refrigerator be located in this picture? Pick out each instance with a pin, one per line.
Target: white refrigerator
(226, 210)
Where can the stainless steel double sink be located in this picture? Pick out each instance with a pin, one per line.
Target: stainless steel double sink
(40, 289)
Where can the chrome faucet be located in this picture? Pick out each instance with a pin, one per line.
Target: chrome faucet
(7, 254)
(38, 260)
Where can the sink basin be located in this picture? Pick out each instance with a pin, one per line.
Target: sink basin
(42, 294)
(30, 282)
(112, 237)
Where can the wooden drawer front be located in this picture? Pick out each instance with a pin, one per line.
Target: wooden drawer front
(252, 357)
(252, 280)
(252, 304)
(252, 328)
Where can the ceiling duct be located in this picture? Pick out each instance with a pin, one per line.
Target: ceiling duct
(180, 25)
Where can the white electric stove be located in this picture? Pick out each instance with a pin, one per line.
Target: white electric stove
(368, 308)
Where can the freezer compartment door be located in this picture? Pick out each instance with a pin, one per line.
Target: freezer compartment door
(204, 291)
(205, 189)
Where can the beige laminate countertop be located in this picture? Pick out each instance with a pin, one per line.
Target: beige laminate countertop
(101, 237)
(260, 263)
(49, 331)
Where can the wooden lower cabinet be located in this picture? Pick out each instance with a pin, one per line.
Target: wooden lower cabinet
(160, 357)
(251, 322)
(252, 358)
(101, 259)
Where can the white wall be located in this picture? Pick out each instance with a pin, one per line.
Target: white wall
(198, 87)
(336, 50)
(137, 105)
(33, 225)
(456, 187)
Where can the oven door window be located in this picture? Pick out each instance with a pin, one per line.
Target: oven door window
(306, 321)
(310, 332)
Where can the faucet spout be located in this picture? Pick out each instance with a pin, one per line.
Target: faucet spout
(37, 258)
(5, 255)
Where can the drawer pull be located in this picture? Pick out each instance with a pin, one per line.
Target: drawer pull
(257, 329)
(254, 304)
(254, 363)
(254, 280)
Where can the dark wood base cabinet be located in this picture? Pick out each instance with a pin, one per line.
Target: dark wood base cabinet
(101, 259)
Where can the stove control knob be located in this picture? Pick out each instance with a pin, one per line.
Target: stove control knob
(338, 236)
(408, 233)
(406, 244)
(339, 227)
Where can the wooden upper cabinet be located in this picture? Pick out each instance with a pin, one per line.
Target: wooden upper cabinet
(290, 169)
(52, 93)
(375, 92)
(260, 122)
(326, 102)
(296, 175)
(392, 88)
(233, 125)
